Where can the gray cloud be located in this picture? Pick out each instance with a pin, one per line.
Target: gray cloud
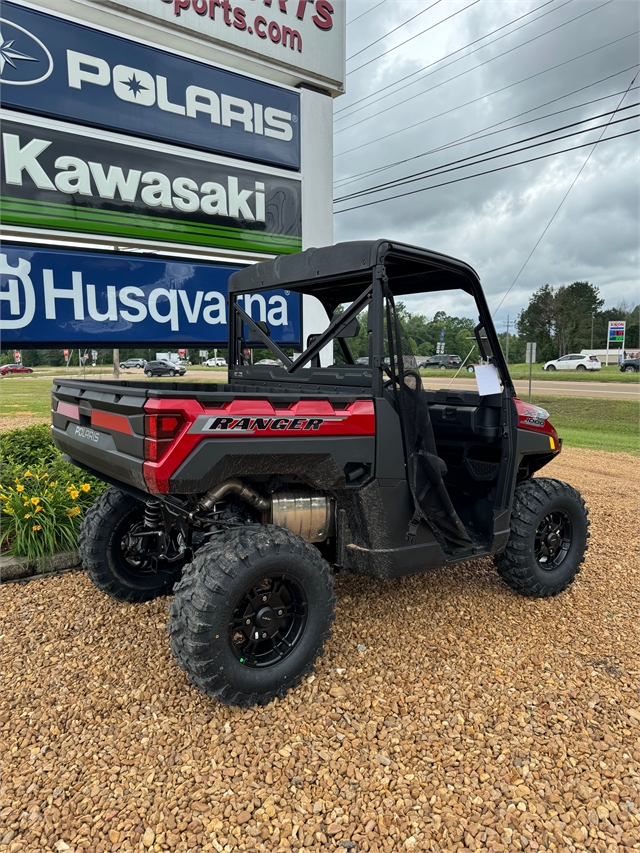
(493, 221)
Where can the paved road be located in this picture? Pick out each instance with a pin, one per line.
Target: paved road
(606, 390)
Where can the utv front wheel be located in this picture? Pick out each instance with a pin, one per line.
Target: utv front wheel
(548, 539)
(251, 615)
(112, 554)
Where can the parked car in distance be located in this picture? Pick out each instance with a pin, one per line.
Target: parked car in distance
(184, 362)
(14, 368)
(133, 362)
(164, 368)
(442, 362)
(272, 361)
(574, 361)
(630, 365)
(214, 362)
(363, 360)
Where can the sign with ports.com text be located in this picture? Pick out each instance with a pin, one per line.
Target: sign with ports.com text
(102, 299)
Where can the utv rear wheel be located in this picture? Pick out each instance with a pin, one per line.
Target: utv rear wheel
(113, 561)
(251, 615)
(548, 540)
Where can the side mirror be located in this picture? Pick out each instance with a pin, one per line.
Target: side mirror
(264, 328)
(352, 330)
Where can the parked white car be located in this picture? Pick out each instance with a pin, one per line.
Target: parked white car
(574, 361)
(215, 362)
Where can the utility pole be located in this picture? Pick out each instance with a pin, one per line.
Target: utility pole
(116, 364)
(592, 318)
(507, 353)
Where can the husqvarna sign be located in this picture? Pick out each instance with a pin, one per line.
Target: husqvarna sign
(55, 67)
(57, 296)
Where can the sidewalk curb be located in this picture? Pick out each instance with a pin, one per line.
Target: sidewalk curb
(20, 569)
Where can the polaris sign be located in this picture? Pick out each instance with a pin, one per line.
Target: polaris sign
(59, 68)
(50, 296)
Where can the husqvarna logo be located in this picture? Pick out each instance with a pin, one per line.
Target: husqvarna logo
(24, 59)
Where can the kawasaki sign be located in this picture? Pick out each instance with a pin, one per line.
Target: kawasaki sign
(101, 299)
(77, 180)
(55, 67)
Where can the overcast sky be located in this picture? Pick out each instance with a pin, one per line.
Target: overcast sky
(494, 221)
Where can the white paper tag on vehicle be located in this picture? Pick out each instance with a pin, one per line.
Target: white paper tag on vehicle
(487, 379)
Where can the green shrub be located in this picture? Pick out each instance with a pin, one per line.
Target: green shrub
(30, 447)
(42, 497)
(42, 515)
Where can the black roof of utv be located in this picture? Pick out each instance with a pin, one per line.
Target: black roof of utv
(322, 272)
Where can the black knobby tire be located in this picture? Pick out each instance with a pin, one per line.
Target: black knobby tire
(537, 563)
(207, 616)
(100, 548)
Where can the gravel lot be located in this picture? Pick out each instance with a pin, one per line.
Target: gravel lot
(474, 720)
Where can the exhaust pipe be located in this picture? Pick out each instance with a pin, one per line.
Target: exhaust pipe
(307, 515)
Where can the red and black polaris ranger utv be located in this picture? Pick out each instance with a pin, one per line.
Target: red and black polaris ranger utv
(245, 498)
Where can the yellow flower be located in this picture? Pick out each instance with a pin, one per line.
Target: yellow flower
(28, 474)
(19, 488)
(75, 510)
(52, 483)
(85, 487)
(74, 494)
(26, 503)
(39, 509)
(35, 501)
(27, 515)
(4, 498)
(36, 527)
(44, 476)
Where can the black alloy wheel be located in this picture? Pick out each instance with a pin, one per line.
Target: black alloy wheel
(251, 614)
(117, 558)
(548, 538)
(268, 621)
(553, 540)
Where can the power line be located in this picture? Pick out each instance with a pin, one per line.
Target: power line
(487, 172)
(353, 20)
(399, 27)
(452, 165)
(474, 68)
(564, 198)
(478, 134)
(411, 38)
(489, 94)
(413, 73)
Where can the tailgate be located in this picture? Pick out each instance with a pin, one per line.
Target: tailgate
(101, 425)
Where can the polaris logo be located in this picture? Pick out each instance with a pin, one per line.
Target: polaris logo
(138, 86)
(88, 434)
(24, 59)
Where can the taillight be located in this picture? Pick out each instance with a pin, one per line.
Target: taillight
(160, 430)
